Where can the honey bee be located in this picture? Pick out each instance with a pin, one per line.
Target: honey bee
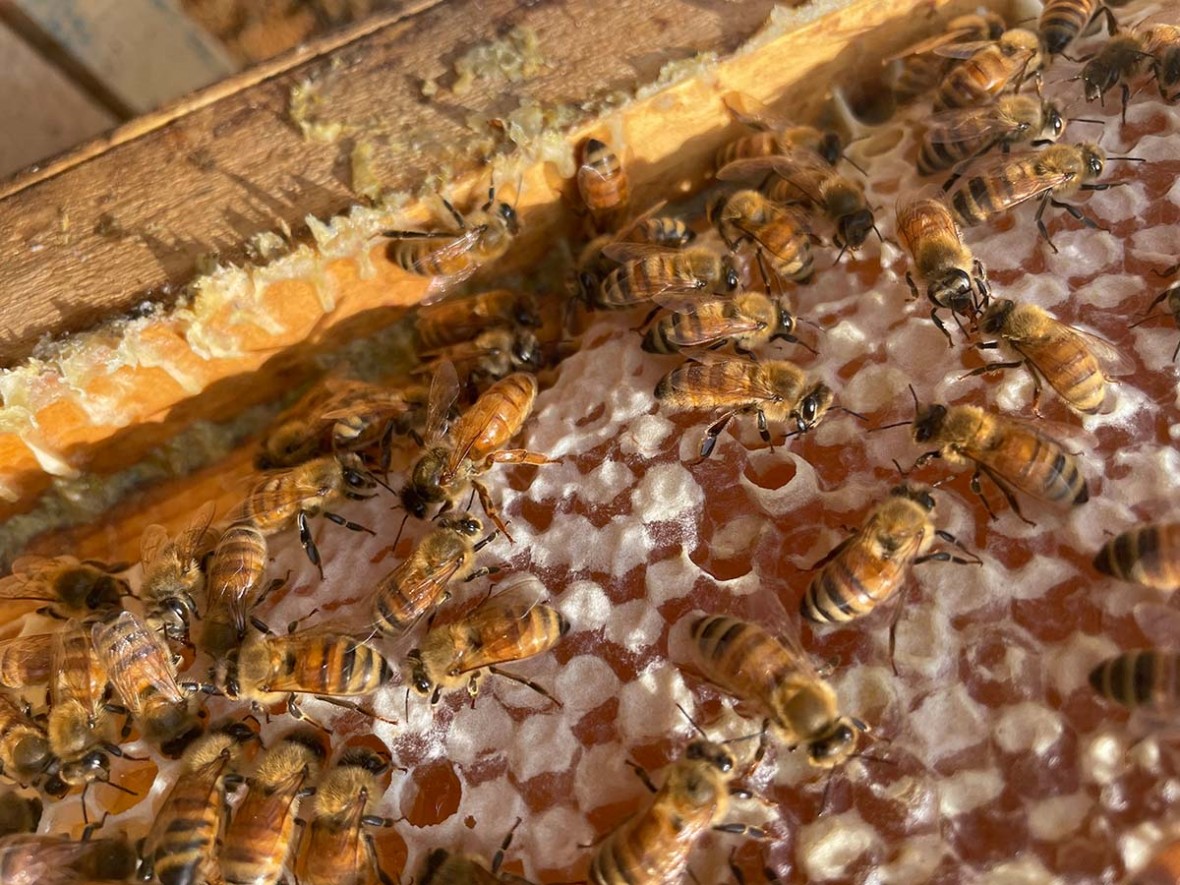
(442, 867)
(777, 678)
(267, 669)
(955, 279)
(259, 838)
(1116, 64)
(1170, 296)
(778, 237)
(336, 848)
(988, 68)
(511, 626)
(180, 848)
(1148, 555)
(1014, 455)
(649, 272)
(141, 671)
(602, 182)
(1162, 42)
(452, 460)
(281, 497)
(1075, 363)
(68, 587)
(647, 229)
(27, 660)
(25, 753)
(18, 814)
(871, 566)
(451, 321)
(236, 570)
(1145, 679)
(653, 846)
(958, 136)
(491, 355)
(481, 237)
(773, 390)
(922, 70)
(419, 583)
(803, 178)
(1060, 170)
(773, 135)
(37, 858)
(1063, 20)
(172, 573)
(747, 321)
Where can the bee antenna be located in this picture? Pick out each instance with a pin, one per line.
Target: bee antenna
(692, 721)
(1087, 120)
(900, 470)
(383, 485)
(1129, 159)
(889, 426)
(868, 757)
(850, 412)
(399, 530)
(120, 788)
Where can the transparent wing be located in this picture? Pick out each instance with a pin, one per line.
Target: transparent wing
(623, 252)
(444, 390)
(799, 162)
(196, 537)
(1114, 362)
(749, 111)
(734, 377)
(135, 657)
(930, 43)
(767, 611)
(1019, 187)
(151, 546)
(968, 125)
(698, 334)
(963, 50)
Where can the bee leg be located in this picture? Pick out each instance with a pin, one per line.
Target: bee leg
(951, 539)
(1040, 221)
(992, 368)
(1078, 213)
(355, 707)
(1009, 497)
(763, 743)
(909, 278)
(978, 490)
(641, 773)
(489, 507)
(351, 526)
(950, 342)
(526, 682)
(898, 608)
(738, 875)
(371, 850)
(1126, 98)
(297, 712)
(498, 857)
(742, 830)
(520, 456)
(711, 435)
(763, 430)
(308, 542)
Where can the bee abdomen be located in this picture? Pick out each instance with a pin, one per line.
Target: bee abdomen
(936, 156)
(1148, 555)
(838, 595)
(1144, 678)
(1062, 20)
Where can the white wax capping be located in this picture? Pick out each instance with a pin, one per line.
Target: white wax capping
(634, 625)
(965, 791)
(828, 846)
(948, 721)
(1028, 727)
(541, 731)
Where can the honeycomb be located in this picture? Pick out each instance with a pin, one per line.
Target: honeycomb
(989, 759)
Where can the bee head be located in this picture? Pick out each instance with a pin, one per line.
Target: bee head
(419, 679)
(831, 148)
(995, 318)
(730, 279)
(954, 290)
(854, 228)
(357, 479)
(835, 746)
(784, 322)
(365, 758)
(1168, 67)
(918, 494)
(813, 407)
(1094, 159)
(1098, 77)
(94, 766)
(509, 217)
(715, 754)
(525, 312)
(426, 483)
(526, 350)
(928, 422)
(463, 524)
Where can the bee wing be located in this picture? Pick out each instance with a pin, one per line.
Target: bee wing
(1020, 187)
(797, 162)
(733, 379)
(196, 537)
(426, 584)
(70, 682)
(490, 618)
(749, 111)
(1114, 362)
(28, 573)
(134, 655)
(967, 124)
(622, 252)
(155, 539)
(930, 44)
(444, 390)
(696, 335)
(766, 610)
(32, 654)
(963, 50)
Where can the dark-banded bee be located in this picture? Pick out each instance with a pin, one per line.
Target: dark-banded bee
(780, 682)
(172, 573)
(68, 588)
(1073, 362)
(1117, 63)
(261, 834)
(955, 279)
(336, 847)
(747, 321)
(490, 356)
(25, 753)
(922, 70)
(648, 273)
(773, 390)
(418, 584)
(180, 848)
(480, 237)
(1162, 42)
(602, 181)
(1062, 21)
(779, 239)
(988, 69)
(773, 135)
(961, 135)
(653, 846)
(1015, 456)
(1145, 679)
(451, 321)
(873, 564)
(236, 570)
(1147, 554)
(510, 626)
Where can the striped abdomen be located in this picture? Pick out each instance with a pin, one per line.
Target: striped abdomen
(853, 583)
(1032, 463)
(743, 659)
(1062, 20)
(786, 247)
(326, 664)
(980, 198)
(634, 282)
(758, 144)
(704, 386)
(602, 182)
(708, 322)
(661, 230)
(1071, 369)
(649, 849)
(235, 573)
(938, 152)
(259, 838)
(1147, 555)
(496, 416)
(975, 80)
(1146, 678)
(188, 824)
(434, 256)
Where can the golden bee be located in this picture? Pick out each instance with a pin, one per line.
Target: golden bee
(648, 229)
(172, 573)
(779, 239)
(773, 135)
(490, 356)
(960, 135)
(27, 660)
(653, 846)
(268, 669)
(1074, 363)
(1148, 554)
(260, 835)
(510, 626)
(955, 279)
(18, 814)
(602, 181)
(443, 867)
(453, 459)
(451, 321)
(921, 70)
(34, 858)
(1014, 455)
(1060, 170)
(25, 753)
(141, 671)
(647, 273)
(482, 236)
(419, 583)
(747, 321)
(803, 178)
(282, 497)
(336, 847)
(1062, 21)
(68, 588)
(987, 69)
(872, 565)
(776, 678)
(1161, 41)
(180, 848)
(1144, 679)
(773, 390)
(236, 572)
